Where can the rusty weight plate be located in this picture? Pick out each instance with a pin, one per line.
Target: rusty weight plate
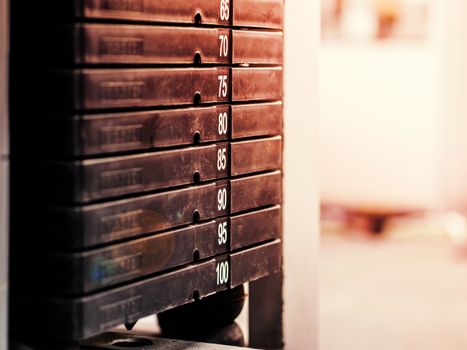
(93, 134)
(90, 89)
(257, 84)
(89, 180)
(91, 270)
(253, 263)
(78, 318)
(94, 89)
(258, 13)
(96, 44)
(255, 47)
(104, 223)
(165, 11)
(91, 44)
(240, 13)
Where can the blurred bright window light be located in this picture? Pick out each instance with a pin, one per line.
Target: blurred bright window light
(374, 19)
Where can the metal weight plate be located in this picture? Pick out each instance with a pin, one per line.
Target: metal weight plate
(105, 178)
(89, 271)
(91, 44)
(258, 119)
(165, 11)
(111, 44)
(255, 155)
(93, 134)
(240, 13)
(78, 318)
(255, 191)
(253, 263)
(111, 340)
(256, 84)
(102, 178)
(98, 224)
(254, 227)
(258, 13)
(90, 89)
(93, 89)
(255, 47)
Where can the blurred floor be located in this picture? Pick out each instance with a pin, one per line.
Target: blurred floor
(392, 293)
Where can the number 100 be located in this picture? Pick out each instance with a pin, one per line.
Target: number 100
(222, 272)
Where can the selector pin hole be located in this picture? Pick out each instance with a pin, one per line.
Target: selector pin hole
(198, 18)
(197, 98)
(197, 58)
(197, 137)
(196, 177)
(196, 217)
(196, 295)
(196, 256)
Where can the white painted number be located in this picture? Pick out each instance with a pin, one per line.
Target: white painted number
(223, 123)
(221, 159)
(223, 45)
(222, 233)
(224, 10)
(222, 271)
(222, 85)
(222, 199)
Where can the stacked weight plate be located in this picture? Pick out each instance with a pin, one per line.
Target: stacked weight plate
(146, 160)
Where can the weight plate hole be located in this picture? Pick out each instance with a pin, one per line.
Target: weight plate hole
(197, 58)
(196, 256)
(197, 137)
(197, 98)
(196, 295)
(132, 342)
(196, 178)
(196, 217)
(198, 18)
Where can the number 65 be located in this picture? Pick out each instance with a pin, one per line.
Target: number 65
(224, 10)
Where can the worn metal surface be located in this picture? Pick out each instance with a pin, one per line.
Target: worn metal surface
(254, 47)
(254, 263)
(258, 13)
(175, 11)
(89, 89)
(77, 318)
(122, 340)
(106, 178)
(94, 89)
(97, 44)
(242, 13)
(253, 227)
(96, 224)
(105, 341)
(257, 84)
(257, 119)
(266, 312)
(135, 44)
(92, 134)
(255, 155)
(255, 191)
(92, 270)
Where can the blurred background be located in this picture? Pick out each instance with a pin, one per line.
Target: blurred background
(393, 168)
